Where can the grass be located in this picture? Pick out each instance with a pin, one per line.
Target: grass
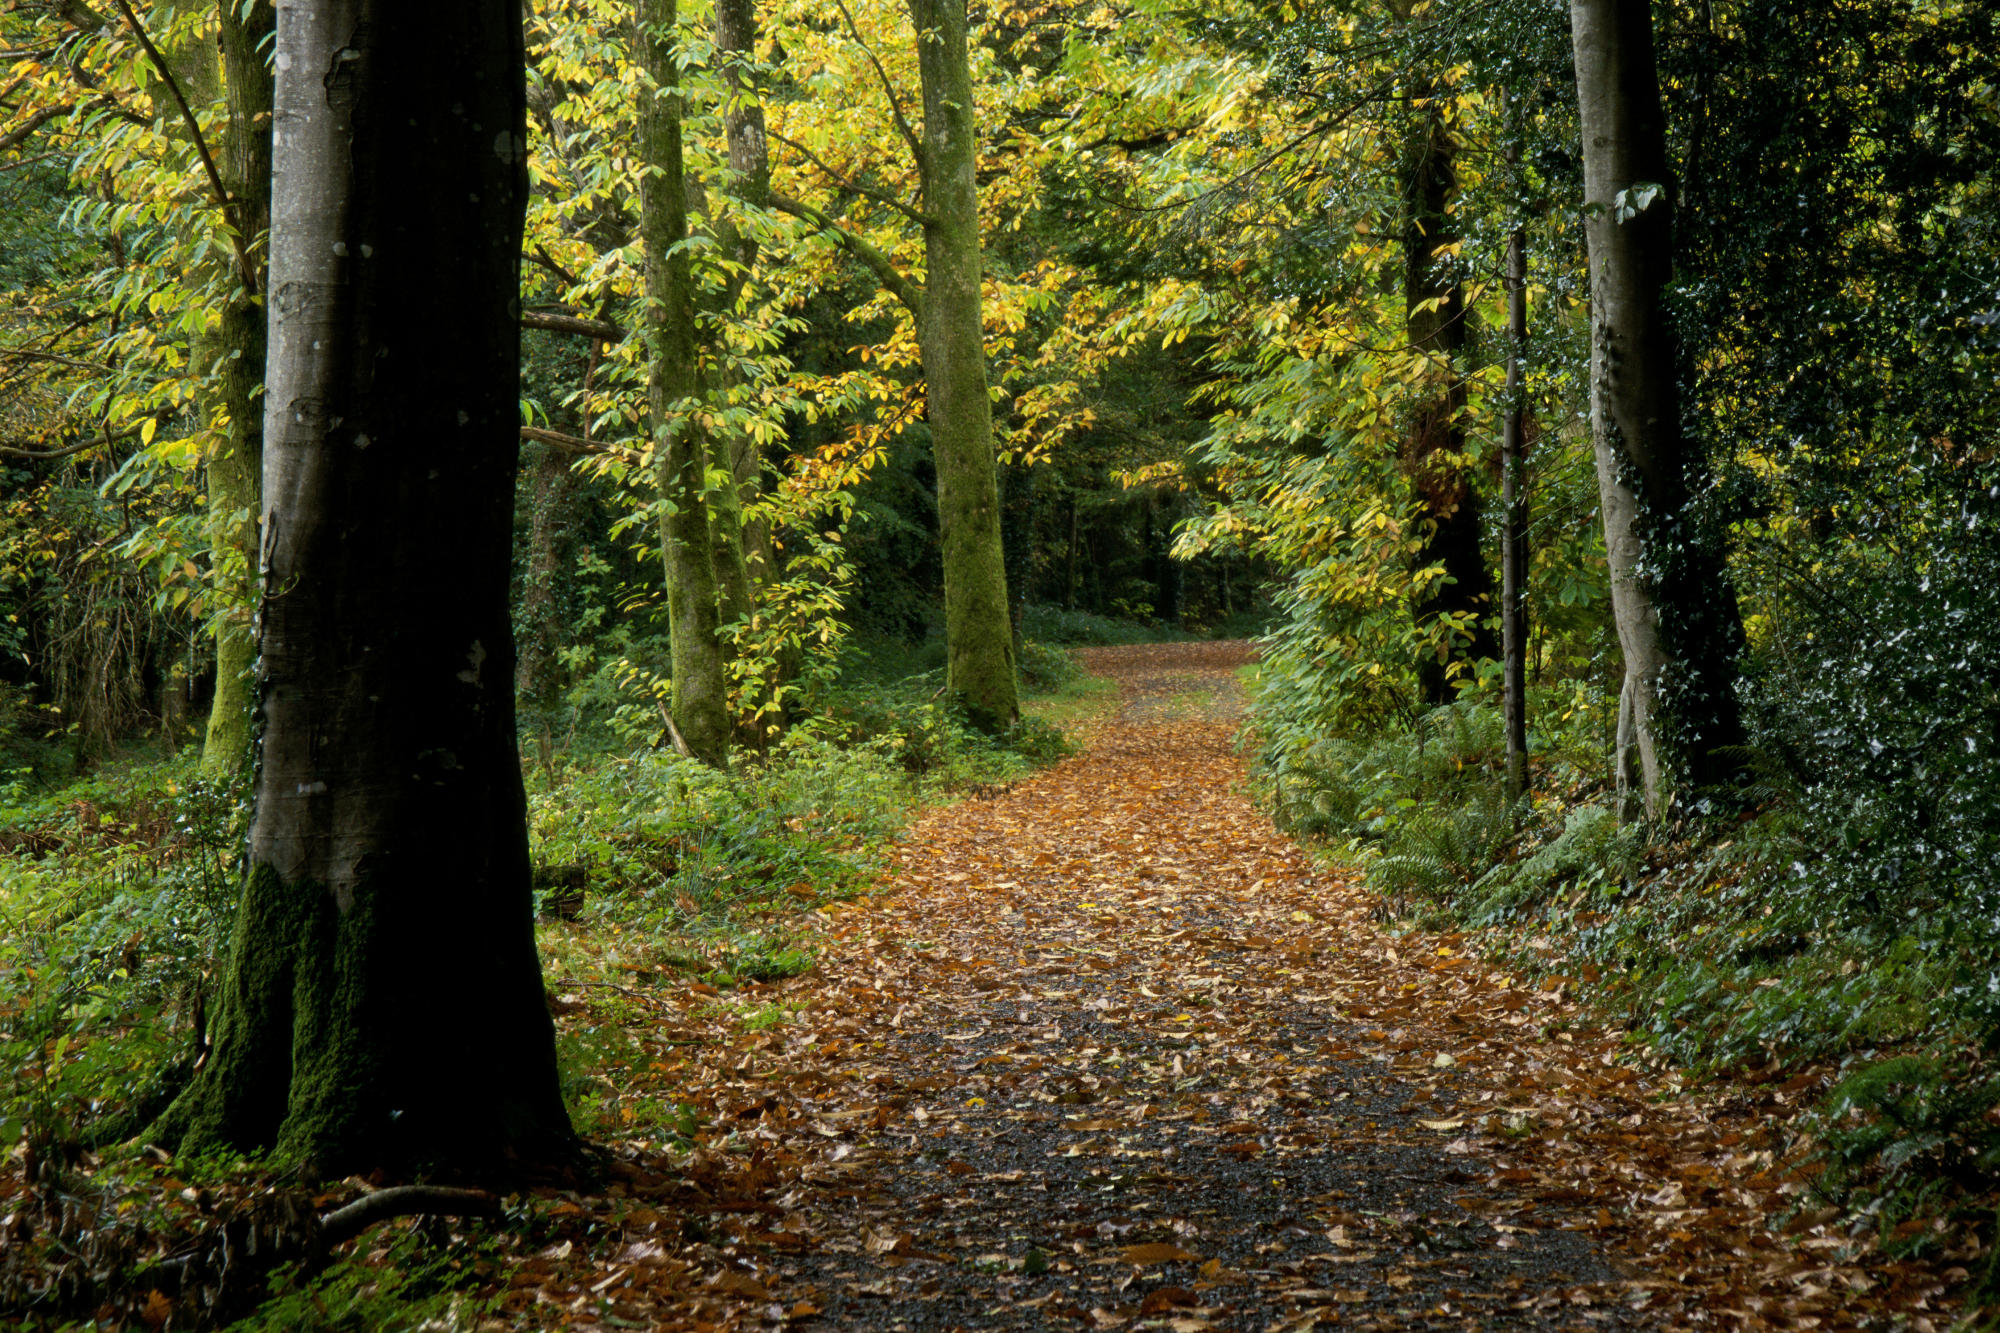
(704, 897)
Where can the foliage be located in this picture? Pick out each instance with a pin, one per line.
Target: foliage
(116, 899)
(1042, 623)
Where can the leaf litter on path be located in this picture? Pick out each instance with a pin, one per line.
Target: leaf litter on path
(1113, 1053)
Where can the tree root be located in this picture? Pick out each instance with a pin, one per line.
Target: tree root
(350, 1220)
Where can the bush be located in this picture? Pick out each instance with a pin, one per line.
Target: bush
(115, 903)
(1052, 624)
(1046, 669)
(677, 843)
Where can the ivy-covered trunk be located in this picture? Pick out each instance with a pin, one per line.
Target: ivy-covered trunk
(1678, 625)
(673, 380)
(1460, 587)
(235, 467)
(383, 1002)
(951, 336)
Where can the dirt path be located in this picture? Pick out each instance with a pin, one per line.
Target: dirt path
(1116, 1055)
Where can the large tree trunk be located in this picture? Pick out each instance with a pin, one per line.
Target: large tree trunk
(951, 335)
(236, 466)
(383, 1003)
(1676, 611)
(673, 381)
(1434, 448)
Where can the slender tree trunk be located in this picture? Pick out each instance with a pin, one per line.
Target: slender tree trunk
(951, 335)
(235, 469)
(383, 1003)
(673, 380)
(1069, 575)
(1434, 448)
(1514, 526)
(742, 549)
(539, 676)
(1675, 608)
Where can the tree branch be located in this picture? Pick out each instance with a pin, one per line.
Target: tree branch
(888, 88)
(892, 279)
(20, 133)
(568, 443)
(603, 330)
(1316, 128)
(866, 191)
(51, 455)
(81, 16)
(350, 1220)
(541, 256)
(222, 196)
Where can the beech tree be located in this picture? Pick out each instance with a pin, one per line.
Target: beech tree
(674, 384)
(947, 307)
(1670, 595)
(237, 351)
(383, 1002)
(978, 628)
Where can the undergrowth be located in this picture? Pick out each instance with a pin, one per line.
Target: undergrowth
(1723, 943)
(117, 893)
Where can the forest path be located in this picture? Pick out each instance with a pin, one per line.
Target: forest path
(1113, 1053)
(1131, 1085)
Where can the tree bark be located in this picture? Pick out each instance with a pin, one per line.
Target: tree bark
(1514, 526)
(674, 389)
(1434, 447)
(383, 1002)
(951, 336)
(235, 468)
(742, 550)
(538, 675)
(1670, 592)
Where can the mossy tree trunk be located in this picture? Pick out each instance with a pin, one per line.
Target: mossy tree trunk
(383, 1002)
(739, 548)
(674, 385)
(1678, 625)
(1447, 505)
(951, 336)
(235, 468)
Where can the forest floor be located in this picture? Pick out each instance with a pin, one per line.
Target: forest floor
(1111, 1052)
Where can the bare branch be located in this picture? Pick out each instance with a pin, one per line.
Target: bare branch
(50, 455)
(30, 354)
(602, 330)
(569, 443)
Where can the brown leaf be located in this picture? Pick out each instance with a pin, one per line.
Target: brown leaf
(1155, 1252)
(735, 1283)
(1161, 1299)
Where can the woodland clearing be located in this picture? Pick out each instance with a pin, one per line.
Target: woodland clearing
(1111, 1052)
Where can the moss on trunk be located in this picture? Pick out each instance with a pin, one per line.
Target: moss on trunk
(235, 469)
(673, 380)
(382, 1004)
(950, 330)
